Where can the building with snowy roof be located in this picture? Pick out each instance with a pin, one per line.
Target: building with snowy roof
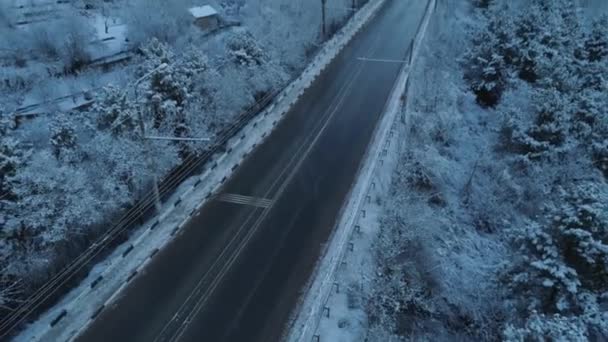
(205, 17)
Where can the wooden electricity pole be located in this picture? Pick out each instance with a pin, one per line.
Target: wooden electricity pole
(323, 27)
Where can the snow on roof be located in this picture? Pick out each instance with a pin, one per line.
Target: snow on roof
(202, 11)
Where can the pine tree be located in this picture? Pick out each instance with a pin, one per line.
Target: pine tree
(566, 255)
(539, 275)
(600, 156)
(486, 72)
(596, 42)
(549, 134)
(527, 29)
(169, 91)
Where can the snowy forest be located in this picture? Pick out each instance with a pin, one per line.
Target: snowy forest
(80, 80)
(496, 227)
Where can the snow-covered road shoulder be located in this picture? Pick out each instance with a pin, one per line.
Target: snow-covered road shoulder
(316, 318)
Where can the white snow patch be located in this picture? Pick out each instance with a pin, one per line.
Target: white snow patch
(202, 11)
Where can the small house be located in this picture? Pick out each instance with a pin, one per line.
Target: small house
(205, 17)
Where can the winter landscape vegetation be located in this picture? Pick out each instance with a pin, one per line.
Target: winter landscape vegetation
(495, 227)
(496, 223)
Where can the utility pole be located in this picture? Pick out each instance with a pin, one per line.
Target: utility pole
(142, 129)
(150, 160)
(323, 26)
(146, 139)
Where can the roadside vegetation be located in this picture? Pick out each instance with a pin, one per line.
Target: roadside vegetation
(497, 223)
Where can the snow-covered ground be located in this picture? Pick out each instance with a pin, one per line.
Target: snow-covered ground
(82, 302)
(488, 225)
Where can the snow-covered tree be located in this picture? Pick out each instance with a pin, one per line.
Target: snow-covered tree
(118, 169)
(563, 259)
(592, 326)
(596, 42)
(485, 69)
(13, 157)
(549, 133)
(63, 136)
(600, 156)
(541, 276)
(169, 87)
(245, 51)
(55, 200)
(113, 111)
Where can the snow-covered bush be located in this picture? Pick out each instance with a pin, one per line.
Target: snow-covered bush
(245, 51)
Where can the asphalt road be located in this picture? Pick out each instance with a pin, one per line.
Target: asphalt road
(236, 270)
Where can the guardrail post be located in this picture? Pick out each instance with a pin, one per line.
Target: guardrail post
(127, 251)
(326, 311)
(351, 246)
(63, 313)
(96, 281)
(357, 229)
(363, 213)
(97, 312)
